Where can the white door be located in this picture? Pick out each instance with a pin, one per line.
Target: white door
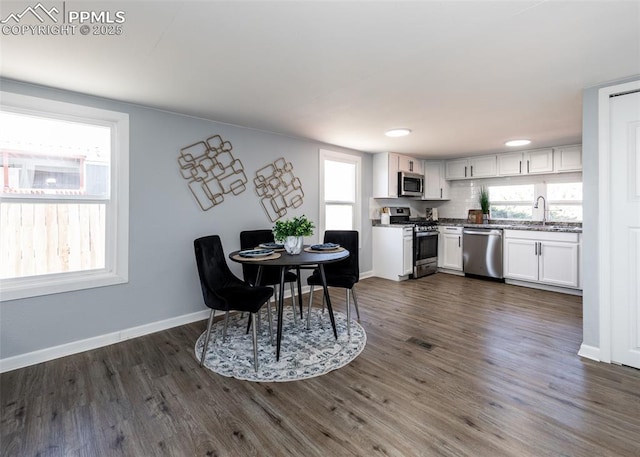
(452, 255)
(520, 259)
(558, 263)
(625, 228)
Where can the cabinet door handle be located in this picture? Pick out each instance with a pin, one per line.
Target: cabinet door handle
(540, 248)
(527, 166)
(465, 171)
(472, 171)
(459, 242)
(520, 171)
(411, 165)
(441, 192)
(535, 247)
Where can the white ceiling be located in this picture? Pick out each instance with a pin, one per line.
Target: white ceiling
(464, 76)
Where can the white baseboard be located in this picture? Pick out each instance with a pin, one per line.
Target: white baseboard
(75, 347)
(589, 352)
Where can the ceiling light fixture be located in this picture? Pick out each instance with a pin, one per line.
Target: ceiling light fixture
(397, 132)
(517, 143)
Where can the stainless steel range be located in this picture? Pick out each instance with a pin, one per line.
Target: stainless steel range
(425, 241)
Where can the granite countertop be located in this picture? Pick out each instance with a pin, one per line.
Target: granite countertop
(567, 227)
(562, 227)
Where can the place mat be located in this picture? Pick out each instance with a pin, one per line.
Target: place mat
(324, 251)
(275, 255)
(273, 249)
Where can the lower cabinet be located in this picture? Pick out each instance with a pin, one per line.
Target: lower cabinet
(542, 257)
(450, 248)
(392, 252)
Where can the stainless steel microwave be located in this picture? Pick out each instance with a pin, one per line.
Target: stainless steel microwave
(410, 184)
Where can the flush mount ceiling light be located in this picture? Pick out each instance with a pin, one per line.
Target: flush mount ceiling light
(397, 132)
(517, 142)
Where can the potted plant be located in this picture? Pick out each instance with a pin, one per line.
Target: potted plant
(290, 232)
(485, 205)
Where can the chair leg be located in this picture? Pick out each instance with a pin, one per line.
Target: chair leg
(348, 314)
(255, 342)
(293, 304)
(206, 339)
(309, 307)
(355, 302)
(270, 321)
(226, 323)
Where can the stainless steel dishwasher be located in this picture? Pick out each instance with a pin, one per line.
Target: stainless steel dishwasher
(482, 252)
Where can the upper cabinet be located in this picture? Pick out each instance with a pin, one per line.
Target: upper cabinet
(568, 158)
(525, 163)
(410, 165)
(386, 166)
(385, 175)
(435, 185)
(540, 161)
(473, 167)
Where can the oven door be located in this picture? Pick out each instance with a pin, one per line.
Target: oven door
(425, 253)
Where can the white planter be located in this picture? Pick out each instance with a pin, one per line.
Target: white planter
(293, 244)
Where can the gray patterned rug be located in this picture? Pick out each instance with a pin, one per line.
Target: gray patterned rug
(303, 353)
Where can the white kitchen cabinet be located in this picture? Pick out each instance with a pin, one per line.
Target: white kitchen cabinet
(568, 158)
(392, 252)
(474, 167)
(385, 175)
(435, 185)
(525, 163)
(409, 164)
(450, 248)
(542, 257)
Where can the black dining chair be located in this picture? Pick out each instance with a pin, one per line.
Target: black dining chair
(344, 274)
(224, 291)
(250, 239)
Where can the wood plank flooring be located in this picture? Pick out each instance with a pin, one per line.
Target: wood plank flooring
(453, 367)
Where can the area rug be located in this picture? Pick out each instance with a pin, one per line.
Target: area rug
(303, 353)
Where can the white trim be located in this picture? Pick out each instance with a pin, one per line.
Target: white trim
(116, 269)
(604, 212)
(75, 347)
(541, 286)
(589, 352)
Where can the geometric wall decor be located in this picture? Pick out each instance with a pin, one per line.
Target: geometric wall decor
(278, 188)
(211, 171)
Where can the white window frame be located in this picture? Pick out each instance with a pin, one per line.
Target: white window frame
(116, 270)
(576, 203)
(357, 205)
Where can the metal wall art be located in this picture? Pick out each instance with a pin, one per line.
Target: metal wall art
(278, 188)
(212, 171)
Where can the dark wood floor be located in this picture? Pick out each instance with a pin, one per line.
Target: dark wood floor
(453, 367)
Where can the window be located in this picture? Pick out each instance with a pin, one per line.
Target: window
(64, 207)
(340, 191)
(511, 202)
(564, 202)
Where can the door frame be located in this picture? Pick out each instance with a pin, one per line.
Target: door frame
(604, 213)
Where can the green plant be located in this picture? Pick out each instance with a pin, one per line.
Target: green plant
(298, 226)
(484, 200)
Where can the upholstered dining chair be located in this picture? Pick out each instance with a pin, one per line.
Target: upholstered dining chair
(224, 291)
(344, 274)
(250, 239)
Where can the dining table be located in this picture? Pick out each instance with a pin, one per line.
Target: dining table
(306, 259)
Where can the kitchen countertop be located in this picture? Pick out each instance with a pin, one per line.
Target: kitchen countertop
(506, 225)
(509, 225)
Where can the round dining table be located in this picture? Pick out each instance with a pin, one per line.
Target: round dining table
(306, 259)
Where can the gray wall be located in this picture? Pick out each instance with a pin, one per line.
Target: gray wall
(590, 190)
(164, 220)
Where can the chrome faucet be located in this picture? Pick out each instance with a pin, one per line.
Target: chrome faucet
(544, 208)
